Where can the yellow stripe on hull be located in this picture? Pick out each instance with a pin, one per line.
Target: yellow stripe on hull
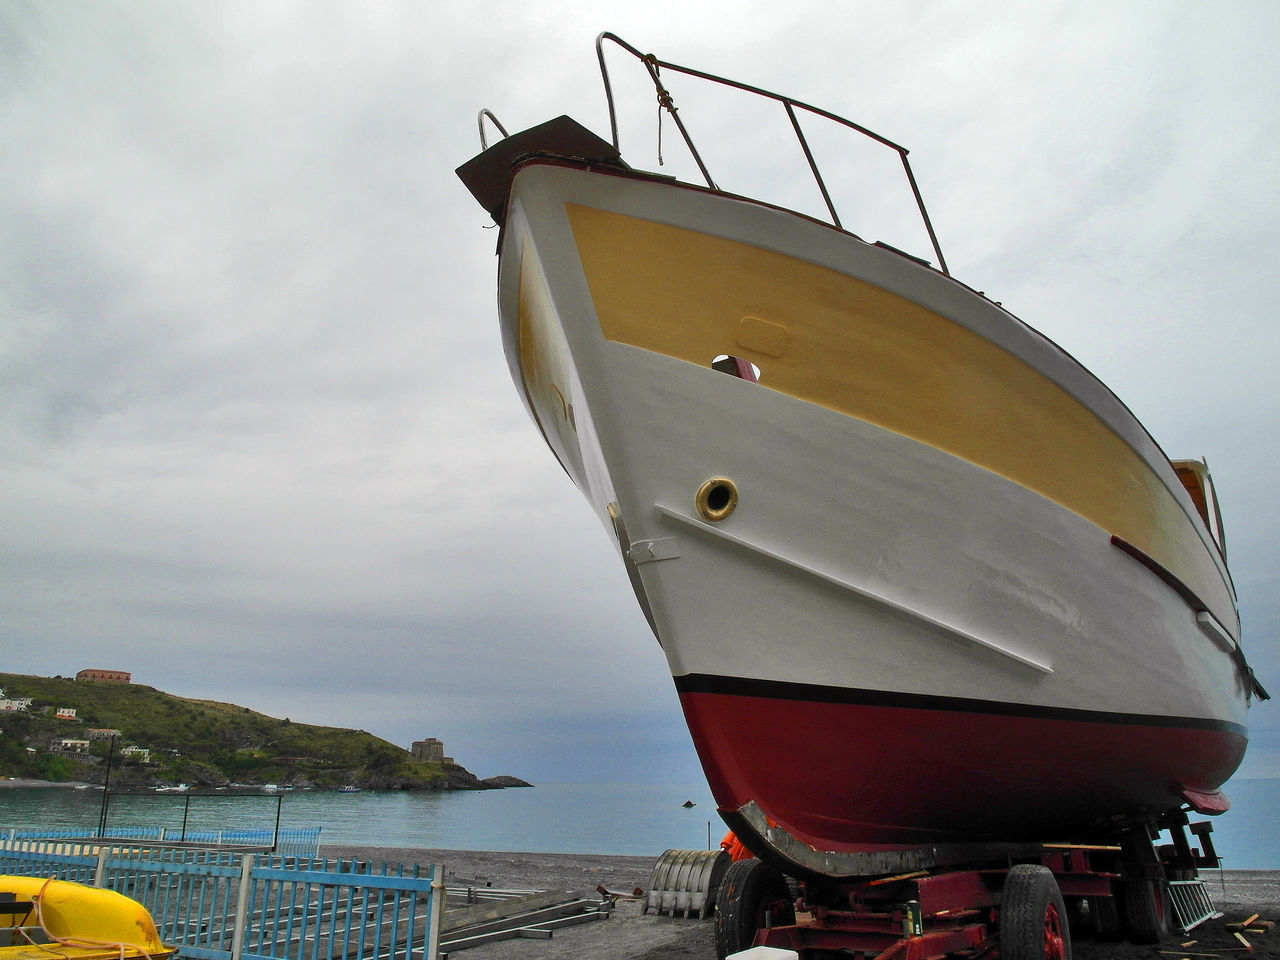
(830, 339)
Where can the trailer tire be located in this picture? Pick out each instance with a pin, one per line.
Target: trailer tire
(1105, 914)
(752, 896)
(1146, 910)
(1033, 916)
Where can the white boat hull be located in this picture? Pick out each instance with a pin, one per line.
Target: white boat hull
(912, 627)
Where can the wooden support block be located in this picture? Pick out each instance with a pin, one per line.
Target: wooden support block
(1252, 918)
(1256, 926)
(1247, 945)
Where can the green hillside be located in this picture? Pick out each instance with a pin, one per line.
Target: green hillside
(199, 742)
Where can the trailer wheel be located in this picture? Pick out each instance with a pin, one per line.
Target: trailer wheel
(1033, 916)
(1146, 910)
(752, 896)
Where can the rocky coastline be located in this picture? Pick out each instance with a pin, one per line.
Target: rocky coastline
(456, 778)
(60, 730)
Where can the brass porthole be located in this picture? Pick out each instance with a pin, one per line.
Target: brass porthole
(716, 499)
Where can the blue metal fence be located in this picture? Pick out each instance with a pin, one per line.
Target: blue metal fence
(302, 912)
(192, 894)
(233, 905)
(289, 842)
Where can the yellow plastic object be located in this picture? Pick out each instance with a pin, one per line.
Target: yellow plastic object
(84, 923)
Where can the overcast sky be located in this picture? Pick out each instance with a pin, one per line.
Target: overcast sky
(258, 442)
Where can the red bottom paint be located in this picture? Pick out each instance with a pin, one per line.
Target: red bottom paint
(837, 775)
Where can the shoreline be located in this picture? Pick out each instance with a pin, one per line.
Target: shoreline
(515, 869)
(24, 783)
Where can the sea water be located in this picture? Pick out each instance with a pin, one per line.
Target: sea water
(1247, 836)
(605, 818)
(600, 818)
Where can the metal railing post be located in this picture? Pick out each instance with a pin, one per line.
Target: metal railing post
(242, 908)
(813, 166)
(100, 871)
(435, 921)
(924, 214)
(484, 142)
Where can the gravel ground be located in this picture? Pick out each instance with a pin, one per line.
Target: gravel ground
(629, 935)
(626, 935)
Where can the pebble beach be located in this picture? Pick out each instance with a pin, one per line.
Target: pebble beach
(631, 935)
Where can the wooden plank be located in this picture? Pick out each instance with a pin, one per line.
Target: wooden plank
(531, 918)
(480, 913)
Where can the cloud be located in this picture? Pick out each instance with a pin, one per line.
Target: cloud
(260, 443)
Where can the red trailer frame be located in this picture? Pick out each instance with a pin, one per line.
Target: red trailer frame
(1020, 901)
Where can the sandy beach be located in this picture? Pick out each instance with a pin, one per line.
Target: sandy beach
(21, 782)
(631, 935)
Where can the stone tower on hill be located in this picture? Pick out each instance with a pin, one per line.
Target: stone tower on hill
(429, 750)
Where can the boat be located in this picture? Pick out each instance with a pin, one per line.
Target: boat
(40, 917)
(920, 577)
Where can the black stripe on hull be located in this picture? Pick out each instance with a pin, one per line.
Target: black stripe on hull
(817, 693)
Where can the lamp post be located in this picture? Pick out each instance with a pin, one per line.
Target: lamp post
(106, 788)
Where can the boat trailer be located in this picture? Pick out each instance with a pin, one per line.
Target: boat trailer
(1018, 901)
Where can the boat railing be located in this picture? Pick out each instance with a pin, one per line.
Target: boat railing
(484, 141)
(665, 101)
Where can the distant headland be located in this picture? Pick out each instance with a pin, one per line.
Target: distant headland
(64, 730)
